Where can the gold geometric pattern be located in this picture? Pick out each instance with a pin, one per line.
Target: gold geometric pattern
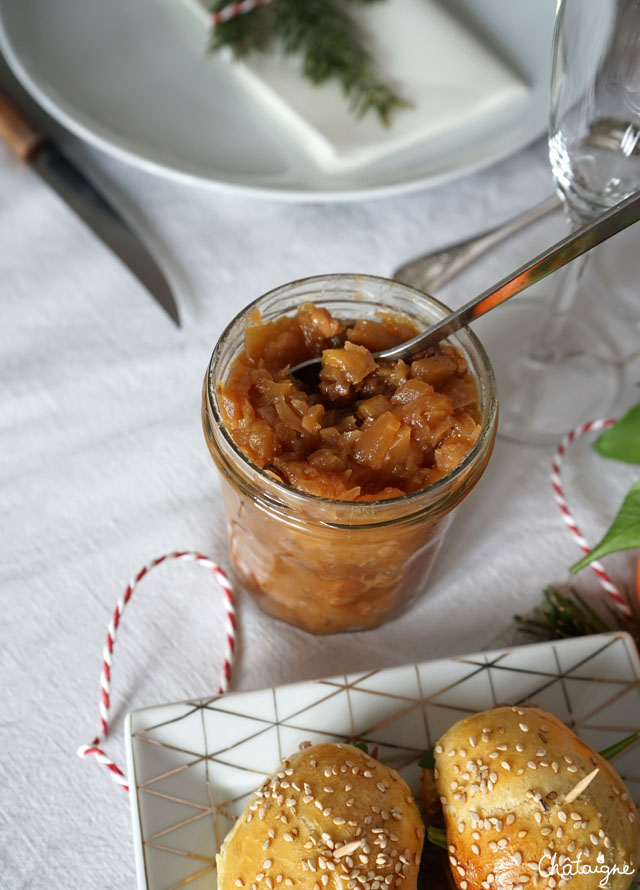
(193, 766)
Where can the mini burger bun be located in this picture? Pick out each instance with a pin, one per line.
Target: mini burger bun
(322, 799)
(507, 780)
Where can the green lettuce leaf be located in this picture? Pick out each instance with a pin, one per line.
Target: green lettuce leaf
(622, 440)
(624, 533)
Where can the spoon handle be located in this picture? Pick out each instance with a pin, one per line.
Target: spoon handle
(431, 271)
(574, 245)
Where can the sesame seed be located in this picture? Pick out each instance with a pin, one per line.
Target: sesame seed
(327, 811)
(239, 882)
(287, 836)
(438, 749)
(328, 789)
(523, 727)
(531, 764)
(476, 849)
(338, 820)
(505, 765)
(562, 816)
(265, 846)
(519, 748)
(379, 785)
(367, 774)
(269, 883)
(267, 863)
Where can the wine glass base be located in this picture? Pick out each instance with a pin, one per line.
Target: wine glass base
(540, 401)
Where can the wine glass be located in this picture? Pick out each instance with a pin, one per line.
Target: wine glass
(569, 371)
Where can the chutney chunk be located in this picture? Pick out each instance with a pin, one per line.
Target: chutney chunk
(373, 429)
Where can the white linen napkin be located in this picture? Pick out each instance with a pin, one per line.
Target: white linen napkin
(447, 75)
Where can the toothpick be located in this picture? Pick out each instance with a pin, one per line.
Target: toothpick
(346, 849)
(577, 790)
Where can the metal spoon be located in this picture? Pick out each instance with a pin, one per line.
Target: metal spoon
(574, 245)
(430, 271)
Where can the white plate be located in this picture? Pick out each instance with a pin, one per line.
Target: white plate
(192, 766)
(133, 78)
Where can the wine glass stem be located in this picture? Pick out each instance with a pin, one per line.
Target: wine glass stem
(545, 346)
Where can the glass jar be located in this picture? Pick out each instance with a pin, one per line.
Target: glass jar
(322, 564)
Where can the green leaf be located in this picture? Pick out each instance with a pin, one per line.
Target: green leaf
(362, 745)
(427, 761)
(620, 746)
(437, 836)
(624, 533)
(622, 440)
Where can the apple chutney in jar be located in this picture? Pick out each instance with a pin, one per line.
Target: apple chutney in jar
(337, 496)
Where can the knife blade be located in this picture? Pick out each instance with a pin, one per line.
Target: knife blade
(95, 210)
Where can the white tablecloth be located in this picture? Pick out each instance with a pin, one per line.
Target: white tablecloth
(103, 466)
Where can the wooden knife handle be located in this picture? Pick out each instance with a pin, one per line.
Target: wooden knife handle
(21, 137)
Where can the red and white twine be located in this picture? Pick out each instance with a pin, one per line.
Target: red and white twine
(235, 9)
(558, 493)
(107, 653)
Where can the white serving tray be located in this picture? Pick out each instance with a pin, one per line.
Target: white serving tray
(193, 765)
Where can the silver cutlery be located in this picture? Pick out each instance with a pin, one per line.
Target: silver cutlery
(624, 214)
(62, 174)
(431, 271)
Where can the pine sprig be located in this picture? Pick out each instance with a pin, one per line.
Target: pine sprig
(246, 33)
(561, 616)
(327, 38)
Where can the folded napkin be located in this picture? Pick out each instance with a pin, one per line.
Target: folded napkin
(449, 77)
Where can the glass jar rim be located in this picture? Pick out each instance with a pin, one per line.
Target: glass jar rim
(361, 507)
